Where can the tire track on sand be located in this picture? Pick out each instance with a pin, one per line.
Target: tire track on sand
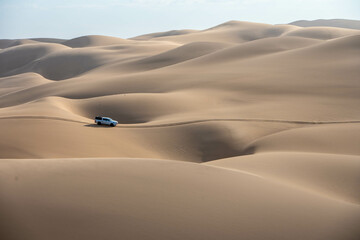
(190, 121)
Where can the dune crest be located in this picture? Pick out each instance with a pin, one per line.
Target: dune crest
(93, 41)
(340, 23)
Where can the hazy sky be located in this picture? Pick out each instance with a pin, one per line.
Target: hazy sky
(128, 18)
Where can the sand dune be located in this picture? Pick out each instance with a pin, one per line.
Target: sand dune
(340, 23)
(174, 56)
(21, 81)
(240, 131)
(93, 40)
(337, 138)
(19, 56)
(231, 32)
(326, 174)
(323, 33)
(5, 43)
(57, 62)
(49, 40)
(154, 199)
(163, 34)
(239, 32)
(256, 48)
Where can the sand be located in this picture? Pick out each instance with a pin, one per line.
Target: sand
(240, 131)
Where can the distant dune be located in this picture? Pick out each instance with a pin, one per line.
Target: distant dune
(163, 34)
(340, 23)
(240, 131)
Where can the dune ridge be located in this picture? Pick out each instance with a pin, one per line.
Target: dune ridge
(340, 23)
(240, 131)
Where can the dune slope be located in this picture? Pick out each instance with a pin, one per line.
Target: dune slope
(135, 199)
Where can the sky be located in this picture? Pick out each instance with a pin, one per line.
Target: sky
(128, 18)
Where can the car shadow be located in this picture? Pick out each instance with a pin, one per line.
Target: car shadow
(97, 126)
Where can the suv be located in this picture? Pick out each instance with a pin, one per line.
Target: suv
(105, 120)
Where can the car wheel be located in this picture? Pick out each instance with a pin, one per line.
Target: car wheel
(112, 125)
(99, 123)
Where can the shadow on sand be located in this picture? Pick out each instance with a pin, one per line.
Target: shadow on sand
(97, 126)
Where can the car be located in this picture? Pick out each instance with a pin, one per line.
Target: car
(105, 120)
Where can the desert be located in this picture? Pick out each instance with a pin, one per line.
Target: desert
(240, 131)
